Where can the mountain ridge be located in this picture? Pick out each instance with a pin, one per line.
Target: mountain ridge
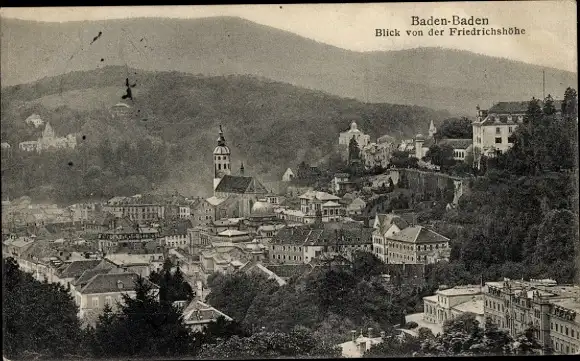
(439, 78)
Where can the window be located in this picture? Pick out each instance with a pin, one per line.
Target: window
(95, 302)
(510, 130)
(497, 130)
(108, 300)
(566, 331)
(572, 332)
(498, 140)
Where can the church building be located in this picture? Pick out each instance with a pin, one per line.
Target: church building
(241, 191)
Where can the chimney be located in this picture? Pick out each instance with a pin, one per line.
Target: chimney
(370, 332)
(353, 335)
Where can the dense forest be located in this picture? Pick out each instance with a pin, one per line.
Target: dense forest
(268, 125)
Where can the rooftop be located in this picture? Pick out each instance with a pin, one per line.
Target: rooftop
(200, 312)
(473, 306)
(232, 233)
(321, 196)
(572, 304)
(77, 268)
(461, 291)
(126, 259)
(112, 282)
(240, 185)
(418, 234)
(457, 143)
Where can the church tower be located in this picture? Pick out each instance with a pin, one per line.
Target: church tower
(48, 132)
(432, 129)
(221, 159)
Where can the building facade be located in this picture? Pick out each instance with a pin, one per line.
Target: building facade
(551, 309)
(417, 244)
(448, 304)
(344, 139)
(384, 226)
(322, 205)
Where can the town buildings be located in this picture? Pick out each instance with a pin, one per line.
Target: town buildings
(379, 154)
(48, 140)
(320, 204)
(293, 245)
(551, 309)
(338, 181)
(125, 235)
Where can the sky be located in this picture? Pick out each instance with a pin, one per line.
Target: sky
(550, 39)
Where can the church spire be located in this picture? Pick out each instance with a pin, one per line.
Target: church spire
(221, 140)
(432, 129)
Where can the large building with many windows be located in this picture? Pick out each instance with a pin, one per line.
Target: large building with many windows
(493, 128)
(552, 310)
(293, 245)
(415, 245)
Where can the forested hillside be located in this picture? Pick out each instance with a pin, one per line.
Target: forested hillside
(268, 125)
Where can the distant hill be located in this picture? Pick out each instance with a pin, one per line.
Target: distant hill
(268, 125)
(437, 78)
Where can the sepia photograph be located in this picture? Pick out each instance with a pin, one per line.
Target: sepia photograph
(354, 180)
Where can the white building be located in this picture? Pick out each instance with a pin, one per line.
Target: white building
(385, 225)
(288, 175)
(34, 120)
(327, 204)
(493, 128)
(337, 181)
(449, 303)
(379, 154)
(360, 344)
(344, 139)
